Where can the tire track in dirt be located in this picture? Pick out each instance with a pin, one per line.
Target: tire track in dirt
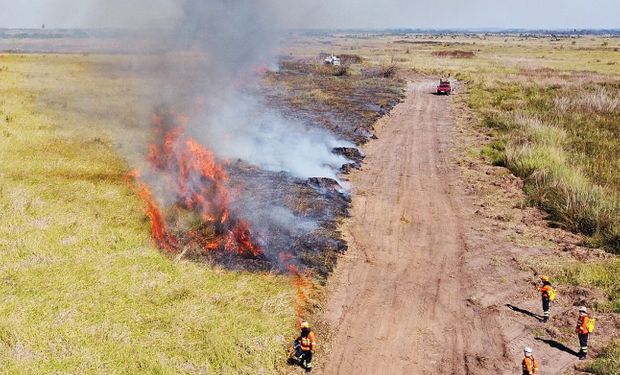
(398, 299)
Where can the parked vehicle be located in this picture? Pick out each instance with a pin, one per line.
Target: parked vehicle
(333, 60)
(444, 87)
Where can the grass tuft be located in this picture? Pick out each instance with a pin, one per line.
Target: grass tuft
(604, 275)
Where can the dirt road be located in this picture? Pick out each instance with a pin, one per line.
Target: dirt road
(412, 296)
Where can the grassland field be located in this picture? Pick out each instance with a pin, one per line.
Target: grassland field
(83, 290)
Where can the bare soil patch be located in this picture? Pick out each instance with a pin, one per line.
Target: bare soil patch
(456, 54)
(438, 276)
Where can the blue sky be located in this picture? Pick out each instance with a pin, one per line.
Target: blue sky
(330, 13)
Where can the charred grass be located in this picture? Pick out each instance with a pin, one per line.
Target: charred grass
(82, 290)
(348, 105)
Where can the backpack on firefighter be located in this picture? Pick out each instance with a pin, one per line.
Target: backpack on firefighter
(591, 325)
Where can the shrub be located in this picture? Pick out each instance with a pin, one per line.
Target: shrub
(600, 101)
(348, 59)
(386, 71)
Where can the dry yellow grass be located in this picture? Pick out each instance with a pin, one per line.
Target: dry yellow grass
(82, 290)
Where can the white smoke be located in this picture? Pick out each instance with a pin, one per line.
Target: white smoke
(234, 37)
(208, 52)
(244, 129)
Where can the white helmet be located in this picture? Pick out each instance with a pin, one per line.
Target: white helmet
(527, 351)
(583, 309)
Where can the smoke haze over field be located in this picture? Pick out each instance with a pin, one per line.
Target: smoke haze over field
(326, 14)
(218, 169)
(205, 86)
(205, 64)
(232, 39)
(244, 129)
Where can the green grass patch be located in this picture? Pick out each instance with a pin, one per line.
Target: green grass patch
(608, 363)
(495, 152)
(82, 290)
(603, 275)
(561, 140)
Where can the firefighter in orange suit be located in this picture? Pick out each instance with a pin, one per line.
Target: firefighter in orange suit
(545, 291)
(529, 364)
(307, 343)
(583, 332)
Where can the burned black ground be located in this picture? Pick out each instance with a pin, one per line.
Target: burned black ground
(347, 105)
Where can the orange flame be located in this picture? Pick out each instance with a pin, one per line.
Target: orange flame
(199, 182)
(303, 286)
(159, 229)
(302, 282)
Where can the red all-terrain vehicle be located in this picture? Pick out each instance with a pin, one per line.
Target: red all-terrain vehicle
(444, 88)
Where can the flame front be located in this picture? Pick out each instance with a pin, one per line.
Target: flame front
(199, 183)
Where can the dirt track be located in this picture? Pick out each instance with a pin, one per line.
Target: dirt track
(417, 293)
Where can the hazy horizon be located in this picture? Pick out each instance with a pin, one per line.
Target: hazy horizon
(318, 29)
(335, 14)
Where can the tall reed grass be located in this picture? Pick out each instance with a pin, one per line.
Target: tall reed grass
(560, 142)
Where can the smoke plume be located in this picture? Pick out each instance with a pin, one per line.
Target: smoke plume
(232, 41)
(207, 65)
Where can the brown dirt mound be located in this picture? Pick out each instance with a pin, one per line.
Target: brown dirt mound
(456, 54)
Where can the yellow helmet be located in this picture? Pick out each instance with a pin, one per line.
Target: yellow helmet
(544, 278)
(305, 324)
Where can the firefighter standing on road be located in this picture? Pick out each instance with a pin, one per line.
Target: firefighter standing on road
(307, 343)
(545, 291)
(529, 364)
(583, 332)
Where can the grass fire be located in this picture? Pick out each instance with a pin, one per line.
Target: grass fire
(274, 187)
(196, 187)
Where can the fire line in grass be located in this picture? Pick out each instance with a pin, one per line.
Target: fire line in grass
(199, 183)
(199, 216)
(301, 281)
